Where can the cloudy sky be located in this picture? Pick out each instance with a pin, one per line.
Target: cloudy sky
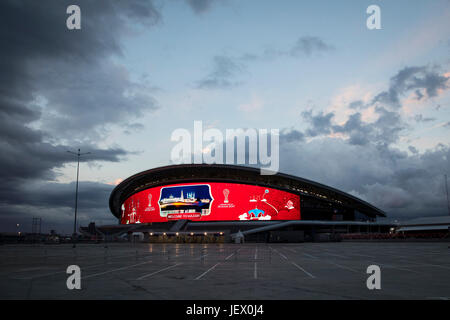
(365, 111)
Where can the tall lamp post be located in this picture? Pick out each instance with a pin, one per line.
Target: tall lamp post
(78, 154)
(446, 190)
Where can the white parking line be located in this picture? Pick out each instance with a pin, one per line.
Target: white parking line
(212, 268)
(255, 274)
(153, 273)
(56, 272)
(232, 254)
(437, 265)
(335, 255)
(310, 256)
(342, 267)
(361, 255)
(427, 264)
(309, 274)
(282, 255)
(393, 267)
(114, 270)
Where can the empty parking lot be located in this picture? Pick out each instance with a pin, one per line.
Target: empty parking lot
(227, 271)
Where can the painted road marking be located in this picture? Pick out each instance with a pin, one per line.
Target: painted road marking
(232, 254)
(56, 272)
(153, 273)
(212, 268)
(114, 270)
(282, 255)
(342, 267)
(361, 255)
(335, 255)
(393, 267)
(309, 274)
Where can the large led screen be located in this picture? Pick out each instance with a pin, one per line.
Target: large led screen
(210, 202)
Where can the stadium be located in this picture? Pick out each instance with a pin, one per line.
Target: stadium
(236, 203)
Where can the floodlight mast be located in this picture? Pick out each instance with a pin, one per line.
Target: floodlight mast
(78, 154)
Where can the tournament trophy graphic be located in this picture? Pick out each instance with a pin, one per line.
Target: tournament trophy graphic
(149, 207)
(226, 192)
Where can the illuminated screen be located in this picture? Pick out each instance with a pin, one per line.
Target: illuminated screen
(210, 202)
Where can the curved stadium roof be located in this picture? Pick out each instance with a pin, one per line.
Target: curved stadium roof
(238, 174)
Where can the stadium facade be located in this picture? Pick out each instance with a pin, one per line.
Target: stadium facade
(237, 203)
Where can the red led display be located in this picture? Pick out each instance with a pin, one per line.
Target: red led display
(210, 202)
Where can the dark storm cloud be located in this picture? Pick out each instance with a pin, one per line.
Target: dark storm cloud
(419, 95)
(291, 135)
(72, 70)
(60, 85)
(320, 123)
(91, 195)
(36, 160)
(92, 99)
(385, 130)
(421, 79)
(389, 124)
(364, 160)
(358, 104)
(62, 78)
(403, 185)
(413, 149)
(22, 199)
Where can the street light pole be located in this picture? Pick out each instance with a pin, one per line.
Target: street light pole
(78, 154)
(446, 190)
